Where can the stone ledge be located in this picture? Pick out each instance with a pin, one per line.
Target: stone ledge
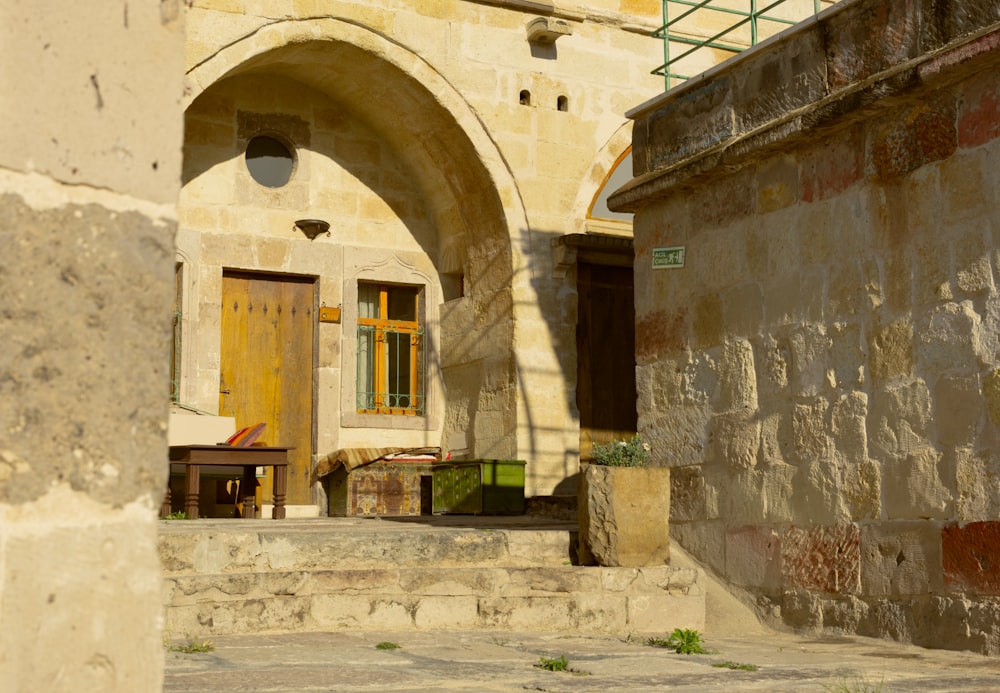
(731, 115)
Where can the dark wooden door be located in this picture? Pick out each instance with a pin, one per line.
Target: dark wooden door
(605, 355)
(267, 367)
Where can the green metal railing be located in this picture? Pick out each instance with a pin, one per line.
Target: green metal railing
(672, 30)
(391, 367)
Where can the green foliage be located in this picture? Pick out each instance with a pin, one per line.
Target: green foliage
(681, 641)
(386, 645)
(179, 515)
(192, 646)
(736, 665)
(856, 686)
(618, 453)
(560, 664)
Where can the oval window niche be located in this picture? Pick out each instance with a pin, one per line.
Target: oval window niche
(270, 161)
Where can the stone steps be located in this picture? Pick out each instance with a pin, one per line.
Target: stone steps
(234, 576)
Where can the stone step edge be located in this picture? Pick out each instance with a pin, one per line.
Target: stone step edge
(434, 582)
(626, 610)
(237, 552)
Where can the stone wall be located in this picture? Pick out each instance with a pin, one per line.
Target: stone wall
(89, 175)
(822, 374)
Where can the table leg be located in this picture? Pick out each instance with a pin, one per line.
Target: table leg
(165, 508)
(192, 482)
(280, 489)
(248, 489)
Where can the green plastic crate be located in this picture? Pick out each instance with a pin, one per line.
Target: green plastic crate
(479, 487)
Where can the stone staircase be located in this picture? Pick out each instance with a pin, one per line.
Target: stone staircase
(449, 572)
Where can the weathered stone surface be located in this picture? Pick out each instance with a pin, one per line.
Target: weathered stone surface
(822, 559)
(623, 515)
(901, 558)
(969, 557)
(923, 487)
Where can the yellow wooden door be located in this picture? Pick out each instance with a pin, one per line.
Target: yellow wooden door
(267, 367)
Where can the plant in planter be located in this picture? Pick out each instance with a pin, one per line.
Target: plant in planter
(621, 454)
(623, 507)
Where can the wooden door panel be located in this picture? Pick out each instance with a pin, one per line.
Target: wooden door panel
(606, 393)
(267, 366)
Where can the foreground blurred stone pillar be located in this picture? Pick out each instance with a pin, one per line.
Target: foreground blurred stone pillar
(90, 103)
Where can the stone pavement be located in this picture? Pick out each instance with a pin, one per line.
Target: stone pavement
(502, 661)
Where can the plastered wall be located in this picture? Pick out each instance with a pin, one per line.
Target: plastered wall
(821, 372)
(89, 174)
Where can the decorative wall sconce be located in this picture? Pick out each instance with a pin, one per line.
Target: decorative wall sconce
(313, 227)
(545, 30)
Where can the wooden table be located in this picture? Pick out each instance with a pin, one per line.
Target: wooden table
(195, 456)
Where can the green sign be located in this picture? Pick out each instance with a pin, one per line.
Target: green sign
(668, 258)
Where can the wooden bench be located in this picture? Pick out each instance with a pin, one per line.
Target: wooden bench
(193, 457)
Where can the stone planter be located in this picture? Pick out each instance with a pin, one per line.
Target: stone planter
(623, 514)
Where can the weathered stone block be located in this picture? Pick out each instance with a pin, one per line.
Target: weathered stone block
(771, 357)
(872, 38)
(706, 540)
(830, 166)
(656, 614)
(687, 126)
(776, 436)
(809, 429)
(680, 432)
(900, 420)
(624, 515)
(809, 348)
(818, 494)
(707, 326)
(891, 351)
(977, 485)
(979, 112)
(736, 437)
(822, 559)
(958, 409)
(969, 557)
(777, 184)
(847, 357)
(921, 487)
(848, 426)
(951, 337)
(862, 489)
(911, 139)
(690, 496)
(901, 558)
(737, 381)
(743, 309)
(753, 557)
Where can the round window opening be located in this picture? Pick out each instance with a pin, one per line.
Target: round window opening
(269, 161)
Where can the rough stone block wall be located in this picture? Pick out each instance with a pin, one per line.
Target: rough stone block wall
(822, 373)
(89, 175)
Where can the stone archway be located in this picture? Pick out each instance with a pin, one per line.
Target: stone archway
(469, 192)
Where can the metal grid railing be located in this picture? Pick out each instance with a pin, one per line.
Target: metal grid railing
(391, 365)
(749, 26)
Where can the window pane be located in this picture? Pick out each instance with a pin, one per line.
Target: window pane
(269, 161)
(402, 303)
(366, 367)
(399, 389)
(368, 301)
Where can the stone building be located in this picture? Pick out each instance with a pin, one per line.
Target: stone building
(817, 319)
(458, 152)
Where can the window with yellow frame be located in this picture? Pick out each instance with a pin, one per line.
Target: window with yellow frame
(390, 350)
